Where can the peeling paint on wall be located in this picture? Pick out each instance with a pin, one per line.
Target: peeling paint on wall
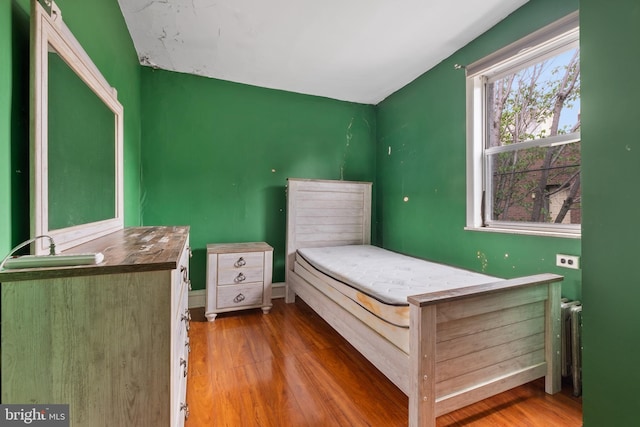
(145, 60)
(349, 137)
(483, 260)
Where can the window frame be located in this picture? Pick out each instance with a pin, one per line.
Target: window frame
(546, 42)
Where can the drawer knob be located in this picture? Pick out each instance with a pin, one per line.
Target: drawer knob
(186, 317)
(240, 278)
(183, 363)
(185, 274)
(238, 298)
(185, 407)
(240, 262)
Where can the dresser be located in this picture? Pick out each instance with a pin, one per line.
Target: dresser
(111, 340)
(238, 277)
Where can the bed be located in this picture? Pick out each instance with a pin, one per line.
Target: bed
(446, 348)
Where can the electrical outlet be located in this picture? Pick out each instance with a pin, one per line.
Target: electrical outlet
(568, 261)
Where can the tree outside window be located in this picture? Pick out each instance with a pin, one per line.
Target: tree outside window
(536, 103)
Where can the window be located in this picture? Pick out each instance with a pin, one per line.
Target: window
(523, 107)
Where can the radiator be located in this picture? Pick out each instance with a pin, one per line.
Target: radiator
(571, 336)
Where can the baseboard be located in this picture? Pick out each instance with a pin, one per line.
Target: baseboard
(198, 297)
(278, 290)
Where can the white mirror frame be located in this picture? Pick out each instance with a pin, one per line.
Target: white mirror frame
(50, 31)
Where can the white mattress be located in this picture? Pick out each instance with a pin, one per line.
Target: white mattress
(386, 276)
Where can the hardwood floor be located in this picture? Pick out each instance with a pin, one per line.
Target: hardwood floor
(290, 368)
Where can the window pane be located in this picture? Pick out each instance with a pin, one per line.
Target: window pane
(539, 184)
(535, 102)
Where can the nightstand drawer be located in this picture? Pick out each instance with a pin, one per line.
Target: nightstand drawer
(241, 260)
(240, 276)
(239, 296)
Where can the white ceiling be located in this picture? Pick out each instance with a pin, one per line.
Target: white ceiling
(351, 50)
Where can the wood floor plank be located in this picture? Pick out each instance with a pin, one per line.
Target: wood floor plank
(290, 368)
(344, 383)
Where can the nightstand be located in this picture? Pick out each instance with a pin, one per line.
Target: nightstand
(238, 277)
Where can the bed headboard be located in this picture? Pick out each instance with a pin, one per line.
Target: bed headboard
(326, 213)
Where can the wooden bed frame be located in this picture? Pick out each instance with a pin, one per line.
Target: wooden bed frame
(465, 345)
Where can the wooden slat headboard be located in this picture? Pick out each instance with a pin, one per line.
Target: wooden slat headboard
(326, 213)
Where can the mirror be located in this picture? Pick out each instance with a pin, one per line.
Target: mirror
(76, 139)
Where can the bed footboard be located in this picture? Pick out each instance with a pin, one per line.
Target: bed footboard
(471, 343)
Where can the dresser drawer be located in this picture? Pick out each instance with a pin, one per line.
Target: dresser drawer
(239, 296)
(182, 410)
(182, 283)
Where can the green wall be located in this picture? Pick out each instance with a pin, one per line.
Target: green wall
(424, 127)
(216, 156)
(14, 126)
(100, 28)
(6, 80)
(611, 148)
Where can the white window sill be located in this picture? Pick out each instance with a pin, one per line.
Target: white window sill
(526, 232)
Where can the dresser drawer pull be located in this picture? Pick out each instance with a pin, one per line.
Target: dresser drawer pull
(185, 407)
(240, 278)
(186, 317)
(183, 363)
(240, 262)
(238, 298)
